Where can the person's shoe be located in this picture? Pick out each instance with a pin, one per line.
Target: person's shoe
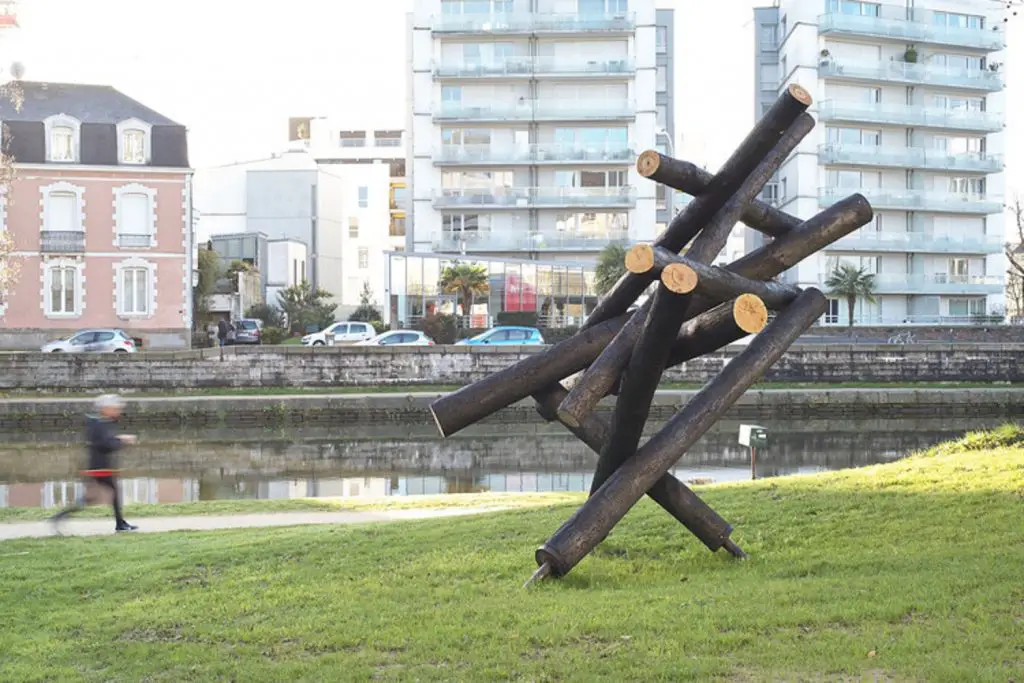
(125, 526)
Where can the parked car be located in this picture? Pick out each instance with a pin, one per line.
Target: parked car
(344, 333)
(248, 331)
(399, 338)
(108, 340)
(506, 336)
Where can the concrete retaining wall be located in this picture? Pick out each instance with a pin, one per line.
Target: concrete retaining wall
(285, 366)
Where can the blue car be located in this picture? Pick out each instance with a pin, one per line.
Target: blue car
(506, 336)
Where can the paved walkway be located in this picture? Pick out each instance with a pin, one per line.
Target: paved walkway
(105, 527)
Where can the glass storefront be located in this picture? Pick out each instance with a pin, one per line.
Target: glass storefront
(561, 294)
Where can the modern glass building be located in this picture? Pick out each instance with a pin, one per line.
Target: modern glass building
(561, 294)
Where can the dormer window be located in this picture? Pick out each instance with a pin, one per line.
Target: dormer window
(62, 139)
(133, 142)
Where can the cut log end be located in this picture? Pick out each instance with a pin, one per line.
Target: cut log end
(568, 418)
(750, 313)
(799, 94)
(640, 258)
(648, 163)
(679, 278)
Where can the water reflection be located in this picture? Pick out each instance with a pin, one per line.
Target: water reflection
(176, 466)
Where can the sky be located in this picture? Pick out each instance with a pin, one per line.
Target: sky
(233, 71)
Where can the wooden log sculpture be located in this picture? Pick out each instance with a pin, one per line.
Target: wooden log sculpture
(697, 309)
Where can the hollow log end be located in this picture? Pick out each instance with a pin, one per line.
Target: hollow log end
(640, 258)
(648, 162)
(679, 278)
(800, 94)
(750, 313)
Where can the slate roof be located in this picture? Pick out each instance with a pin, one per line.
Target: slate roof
(87, 103)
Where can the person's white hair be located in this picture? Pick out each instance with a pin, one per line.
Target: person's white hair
(107, 401)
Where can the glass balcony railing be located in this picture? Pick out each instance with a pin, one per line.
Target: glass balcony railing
(909, 157)
(63, 242)
(911, 115)
(527, 22)
(535, 67)
(886, 241)
(914, 74)
(535, 241)
(918, 30)
(917, 200)
(535, 197)
(537, 110)
(533, 154)
(934, 283)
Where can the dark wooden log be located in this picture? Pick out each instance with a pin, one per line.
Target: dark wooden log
(671, 494)
(603, 510)
(688, 178)
(643, 373)
(598, 379)
(759, 143)
(719, 284)
(536, 373)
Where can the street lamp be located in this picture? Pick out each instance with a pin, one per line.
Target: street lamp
(668, 138)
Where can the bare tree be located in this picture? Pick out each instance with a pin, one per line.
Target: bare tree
(1014, 250)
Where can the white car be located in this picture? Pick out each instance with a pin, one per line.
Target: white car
(399, 338)
(344, 333)
(109, 340)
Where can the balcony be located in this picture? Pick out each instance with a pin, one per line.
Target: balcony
(537, 110)
(914, 74)
(134, 241)
(518, 198)
(868, 240)
(533, 155)
(911, 115)
(62, 242)
(919, 29)
(917, 200)
(935, 283)
(536, 67)
(520, 23)
(536, 241)
(908, 157)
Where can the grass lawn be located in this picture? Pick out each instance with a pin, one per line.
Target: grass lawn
(431, 388)
(912, 571)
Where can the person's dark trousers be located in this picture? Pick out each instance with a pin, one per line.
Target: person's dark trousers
(107, 481)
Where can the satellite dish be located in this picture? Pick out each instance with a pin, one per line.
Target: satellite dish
(17, 71)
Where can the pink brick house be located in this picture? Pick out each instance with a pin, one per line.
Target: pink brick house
(100, 215)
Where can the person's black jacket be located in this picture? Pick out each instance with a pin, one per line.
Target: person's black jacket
(102, 442)
(222, 329)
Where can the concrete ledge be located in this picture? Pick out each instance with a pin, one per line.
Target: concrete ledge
(341, 410)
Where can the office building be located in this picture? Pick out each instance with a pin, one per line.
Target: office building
(667, 202)
(526, 118)
(910, 108)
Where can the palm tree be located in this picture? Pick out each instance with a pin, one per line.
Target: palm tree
(465, 279)
(847, 282)
(611, 265)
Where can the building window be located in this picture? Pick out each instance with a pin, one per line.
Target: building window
(397, 226)
(832, 312)
(62, 138)
(352, 138)
(364, 257)
(134, 299)
(768, 39)
(770, 193)
(364, 197)
(661, 39)
(661, 197)
(353, 227)
(135, 216)
(387, 138)
(782, 189)
(63, 295)
(133, 141)
(661, 79)
(62, 210)
(662, 115)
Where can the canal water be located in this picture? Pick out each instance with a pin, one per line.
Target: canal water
(38, 470)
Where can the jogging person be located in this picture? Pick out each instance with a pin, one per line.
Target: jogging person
(102, 443)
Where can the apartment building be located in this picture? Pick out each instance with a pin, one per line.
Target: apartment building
(99, 213)
(526, 118)
(910, 108)
(336, 141)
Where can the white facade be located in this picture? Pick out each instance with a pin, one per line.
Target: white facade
(910, 110)
(527, 116)
(286, 266)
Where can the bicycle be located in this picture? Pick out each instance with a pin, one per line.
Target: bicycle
(903, 338)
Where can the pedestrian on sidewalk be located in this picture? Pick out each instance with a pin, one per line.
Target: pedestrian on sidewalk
(223, 327)
(102, 444)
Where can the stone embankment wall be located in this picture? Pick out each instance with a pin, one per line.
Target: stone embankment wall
(275, 367)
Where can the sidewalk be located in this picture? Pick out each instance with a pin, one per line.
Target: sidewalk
(105, 527)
